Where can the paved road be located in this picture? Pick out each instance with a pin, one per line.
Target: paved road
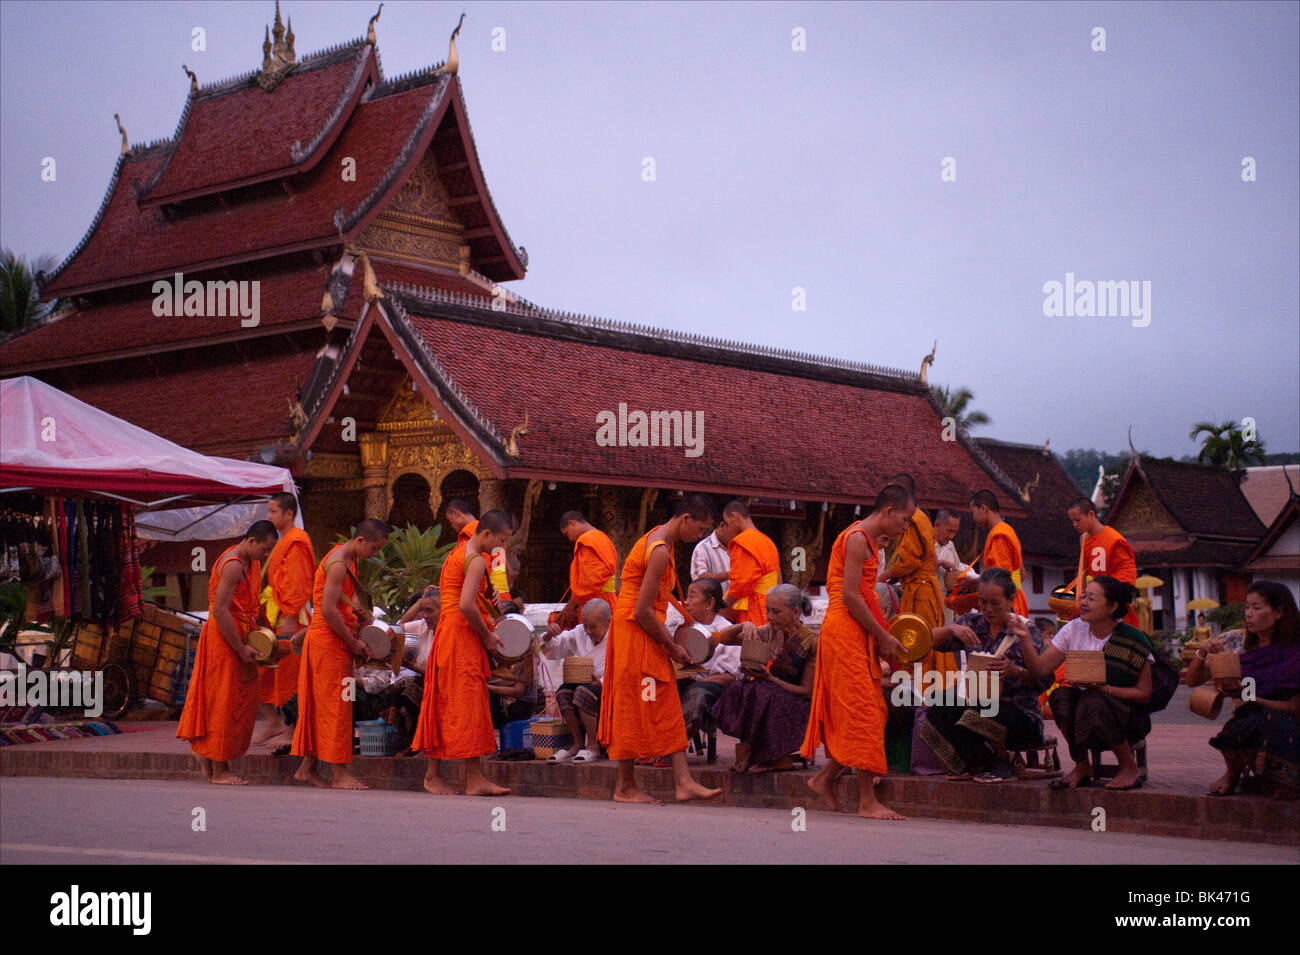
(86, 821)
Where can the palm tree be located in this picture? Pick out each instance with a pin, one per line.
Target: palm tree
(19, 294)
(954, 405)
(1225, 446)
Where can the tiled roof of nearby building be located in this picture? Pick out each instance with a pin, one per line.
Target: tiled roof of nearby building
(1268, 490)
(1046, 531)
(1206, 501)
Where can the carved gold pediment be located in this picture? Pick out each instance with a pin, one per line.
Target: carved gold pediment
(419, 225)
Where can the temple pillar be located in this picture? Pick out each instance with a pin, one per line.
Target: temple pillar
(491, 495)
(614, 511)
(794, 534)
(374, 472)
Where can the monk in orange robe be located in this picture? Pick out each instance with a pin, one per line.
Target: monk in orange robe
(325, 691)
(1001, 546)
(755, 566)
(640, 711)
(848, 704)
(1103, 550)
(915, 569)
(221, 704)
(455, 718)
(460, 515)
(289, 574)
(591, 572)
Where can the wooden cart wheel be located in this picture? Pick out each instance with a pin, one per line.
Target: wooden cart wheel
(119, 690)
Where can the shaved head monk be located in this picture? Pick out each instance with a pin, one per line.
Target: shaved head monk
(591, 572)
(640, 711)
(460, 515)
(221, 705)
(1103, 551)
(848, 706)
(324, 729)
(455, 716)
(916, 571)
(289, 573)
(1001, 546)
(755, 566)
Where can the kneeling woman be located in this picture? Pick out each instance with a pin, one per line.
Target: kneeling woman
(1268, 726)
(1111, 716)
(973, 739)
(768, 709)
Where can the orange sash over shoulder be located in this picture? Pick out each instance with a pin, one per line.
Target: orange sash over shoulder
(1002, 549)
(592, 571)
(221, 704)
(640, 711)
(324, 727)
(848, 707)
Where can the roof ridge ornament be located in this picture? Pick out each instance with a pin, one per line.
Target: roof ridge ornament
(125, 145)
(194, 80)
(278, 57)
(927, 361)
(370, 27)
(453, 60)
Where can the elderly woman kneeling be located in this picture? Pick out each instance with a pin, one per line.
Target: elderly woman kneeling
(768, 709)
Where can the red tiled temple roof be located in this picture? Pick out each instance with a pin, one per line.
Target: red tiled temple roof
(823, 434)
(222, 408)
(237, 133)
(103, 330)
(1046, 530)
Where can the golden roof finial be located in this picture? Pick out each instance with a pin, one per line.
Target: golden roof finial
(279, 25)
(194, 80)
(288, 39)
(517, 432)
(927, 361)
(266, 51)
(370, 27)
(125, 145)
(453, 61)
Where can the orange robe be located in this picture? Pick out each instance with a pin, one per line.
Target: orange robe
(1107, 552)
(324, 727)
(289, 573)
(1002, 549)
(591, 574)
(466, 532)
(455, 715)
(221, 704)
(848, 707)
(755, 569)
(640, 719)
(917, 572)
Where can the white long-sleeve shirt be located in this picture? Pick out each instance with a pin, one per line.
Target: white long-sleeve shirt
(577, 643)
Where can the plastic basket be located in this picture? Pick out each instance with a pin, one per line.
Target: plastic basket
(378, 738)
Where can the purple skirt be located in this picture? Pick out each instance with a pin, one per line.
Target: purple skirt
(771, 720)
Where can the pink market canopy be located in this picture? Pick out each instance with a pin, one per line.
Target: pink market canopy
(52, 442)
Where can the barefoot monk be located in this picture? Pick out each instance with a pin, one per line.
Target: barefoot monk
(848, 707)
(325, 690)
(455, 716)
(221, 704)
(640, 711)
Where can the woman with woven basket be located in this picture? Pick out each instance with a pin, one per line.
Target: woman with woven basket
(1263, 734)
(1109, 712)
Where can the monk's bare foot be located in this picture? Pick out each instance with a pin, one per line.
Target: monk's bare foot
(878, 810)
(486, 787)
(205, 767)
(685, 792)
(437, 787)
(307, 774)
(342, 779)
(227, 778)
(634, 795)
(824, 786)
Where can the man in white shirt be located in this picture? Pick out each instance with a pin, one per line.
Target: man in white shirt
(580, 702)
(946, 525)
(710, 559)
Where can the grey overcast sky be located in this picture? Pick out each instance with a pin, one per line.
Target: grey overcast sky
(820, 169)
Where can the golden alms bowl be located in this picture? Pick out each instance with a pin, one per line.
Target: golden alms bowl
(913, 632)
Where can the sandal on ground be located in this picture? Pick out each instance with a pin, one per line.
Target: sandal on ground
(1120, 789)
(1083, 783)
(584, 756)
(281, 750)
(560, 756)
(959, 777)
